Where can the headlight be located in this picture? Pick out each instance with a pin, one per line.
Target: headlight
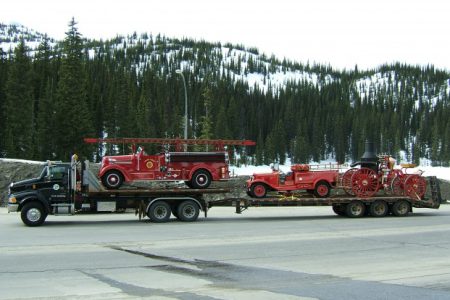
(12, 200)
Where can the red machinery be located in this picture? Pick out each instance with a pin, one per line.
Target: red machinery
(377, 172)
(302, 177)
(197, 169)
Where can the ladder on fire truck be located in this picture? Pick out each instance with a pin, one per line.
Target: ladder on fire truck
(219, 145)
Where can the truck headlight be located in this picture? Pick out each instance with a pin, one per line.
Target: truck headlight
(12, 200)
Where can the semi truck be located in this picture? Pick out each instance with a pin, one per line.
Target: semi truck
(72, 188)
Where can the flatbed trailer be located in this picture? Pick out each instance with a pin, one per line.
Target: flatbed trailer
(344, 205)
(68, 189)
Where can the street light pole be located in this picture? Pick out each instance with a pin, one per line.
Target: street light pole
(185, 107)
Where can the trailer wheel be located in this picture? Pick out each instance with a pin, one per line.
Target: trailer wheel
(355, 209)
(258, 190)
(33, 214)
(112, 179)
(188, 211)
(322, 189)
(159, 212)
(401, 208)
(339, 209)
(200, 180)
(379, 209)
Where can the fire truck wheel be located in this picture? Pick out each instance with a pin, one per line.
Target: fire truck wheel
(258, 190)
(401, 208)
(339, 209)
(188, 211)
(159, 212)
(355, 209)
(112, 179)
(201, 179)
(33, 214)
(322, 189)
(379, 209)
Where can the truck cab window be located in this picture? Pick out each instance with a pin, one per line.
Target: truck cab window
(57, 172)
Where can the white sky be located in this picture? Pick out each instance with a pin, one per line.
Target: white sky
(340, 32)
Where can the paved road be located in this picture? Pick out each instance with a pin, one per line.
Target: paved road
(265, 253)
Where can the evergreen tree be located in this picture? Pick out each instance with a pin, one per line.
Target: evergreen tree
(19, 109)
(73, 119)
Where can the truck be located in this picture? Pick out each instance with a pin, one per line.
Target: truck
(318, 181)
(72, 188)
(196, 169)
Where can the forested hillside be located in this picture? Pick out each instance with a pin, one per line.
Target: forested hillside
(52, 94)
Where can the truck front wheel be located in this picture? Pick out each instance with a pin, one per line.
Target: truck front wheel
(112, 179)
(258, 190)
(200, 180)
(33, 214)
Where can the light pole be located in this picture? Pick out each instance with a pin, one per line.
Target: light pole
(185, 106)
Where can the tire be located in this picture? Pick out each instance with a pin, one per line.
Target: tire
(188, 211)
(112, 180)
(159, 212)
(200, 180)
(322, 189)
(258, 190)
(188, 184)
(401, 208)
(379, 209)
(33, 214)
(355, 209)
(339, 209)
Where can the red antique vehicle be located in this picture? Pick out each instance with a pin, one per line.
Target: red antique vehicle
(318, 181)
(377, 173)
(197, 169)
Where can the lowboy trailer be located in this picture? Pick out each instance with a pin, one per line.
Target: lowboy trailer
(70, 188)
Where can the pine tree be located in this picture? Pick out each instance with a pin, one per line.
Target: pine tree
(19, 109)
(73, 119)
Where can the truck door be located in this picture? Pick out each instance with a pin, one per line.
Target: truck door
(57, 182)
(148, 165)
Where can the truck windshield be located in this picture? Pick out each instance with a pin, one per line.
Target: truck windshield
(57, 172)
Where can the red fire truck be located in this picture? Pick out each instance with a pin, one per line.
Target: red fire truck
(318, 181)
(196, 169)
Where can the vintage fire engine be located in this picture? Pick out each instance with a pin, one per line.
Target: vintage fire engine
(377, 173)
(319, 181)
(196, 169)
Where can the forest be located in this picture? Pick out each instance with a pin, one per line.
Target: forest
(53, 96)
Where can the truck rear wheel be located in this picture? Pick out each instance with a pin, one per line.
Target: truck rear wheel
(322, 189)
(159, 212)
(188, 211)
(112, 179)
(33, 214)
(355, 209)
(200, 180)
(379, 209)
(401, 208)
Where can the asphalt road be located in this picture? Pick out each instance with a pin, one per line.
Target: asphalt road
(265, 253)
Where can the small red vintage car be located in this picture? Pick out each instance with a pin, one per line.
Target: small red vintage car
(301, 177)
(197, 169)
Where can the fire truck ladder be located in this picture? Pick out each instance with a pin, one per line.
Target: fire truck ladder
(219, 145)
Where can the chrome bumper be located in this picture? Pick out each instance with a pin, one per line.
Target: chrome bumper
(13, 207)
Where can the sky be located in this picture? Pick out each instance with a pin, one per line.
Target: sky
(342, 33)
